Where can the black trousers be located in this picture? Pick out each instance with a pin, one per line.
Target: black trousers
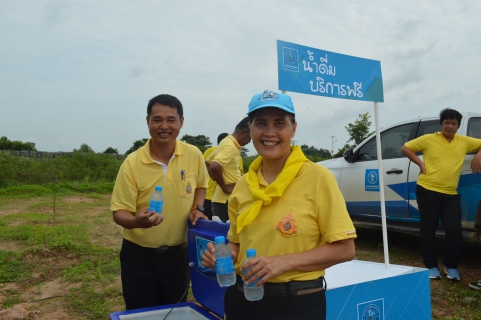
(302, 307)
(208, 209)
(435, 206)
(220, 210)
(151, 279)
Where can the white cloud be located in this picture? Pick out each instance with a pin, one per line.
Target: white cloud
(82, 71)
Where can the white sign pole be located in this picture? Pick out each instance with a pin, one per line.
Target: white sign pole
(381, 187)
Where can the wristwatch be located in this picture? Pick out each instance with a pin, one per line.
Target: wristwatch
(199, 207)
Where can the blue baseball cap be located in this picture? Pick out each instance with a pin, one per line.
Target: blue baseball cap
(271, 99)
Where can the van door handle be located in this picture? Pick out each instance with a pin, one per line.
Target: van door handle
(396, 171)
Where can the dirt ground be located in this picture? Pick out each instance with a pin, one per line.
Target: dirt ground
(43, 294)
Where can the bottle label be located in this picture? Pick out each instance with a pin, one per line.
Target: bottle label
(156, 206)
(252, 284)
(224, 265)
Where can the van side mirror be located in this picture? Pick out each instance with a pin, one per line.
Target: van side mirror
(348, 155)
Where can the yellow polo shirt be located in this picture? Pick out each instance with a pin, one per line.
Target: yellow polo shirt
(135, 183)
(443, 160)
(212, 183)
(312, 204)
(227, 154)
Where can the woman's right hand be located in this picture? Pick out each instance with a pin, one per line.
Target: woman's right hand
(208, 259)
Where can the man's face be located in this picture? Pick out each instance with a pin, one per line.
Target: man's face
(449, 127)
(164, 124)
(246, 137)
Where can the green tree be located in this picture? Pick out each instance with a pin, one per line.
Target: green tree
(200, 141)
(84, 148)
(316, 154)
(111, 150)
(15, 145)
(137, 144)
(244, 151)
(358, 131)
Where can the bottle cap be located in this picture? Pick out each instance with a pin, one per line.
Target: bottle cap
(251, 253)
(158, 188)
(219, 239)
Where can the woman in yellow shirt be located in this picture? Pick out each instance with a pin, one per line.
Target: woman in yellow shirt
(292, 212)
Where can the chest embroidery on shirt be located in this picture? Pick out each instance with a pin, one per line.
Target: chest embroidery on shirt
(188, 188)
(287, 225)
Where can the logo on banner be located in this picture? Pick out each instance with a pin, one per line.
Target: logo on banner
(372, 180)
(372, 310)
(291, 59)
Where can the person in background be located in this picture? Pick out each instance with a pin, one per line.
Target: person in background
(153, 258)
(212, 183)
(292, 212)
(223, 167)
(443, 157)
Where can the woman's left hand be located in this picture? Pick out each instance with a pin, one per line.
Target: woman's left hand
(264, 268)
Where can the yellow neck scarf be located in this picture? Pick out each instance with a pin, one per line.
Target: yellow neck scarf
(293, 164)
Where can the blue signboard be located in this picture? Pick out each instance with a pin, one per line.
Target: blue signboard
(319, 72)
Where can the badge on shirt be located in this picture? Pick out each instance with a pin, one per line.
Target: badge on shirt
(287, 225)
(188, 188)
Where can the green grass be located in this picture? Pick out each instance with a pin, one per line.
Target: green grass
(68, 246)
(80, 246)
(11, 267)
(12, 298)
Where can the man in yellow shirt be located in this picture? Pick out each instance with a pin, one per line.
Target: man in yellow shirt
(154, 258)
(436, 193)
(212, 183)
(223, 167)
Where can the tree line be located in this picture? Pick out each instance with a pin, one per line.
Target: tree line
(358, 131)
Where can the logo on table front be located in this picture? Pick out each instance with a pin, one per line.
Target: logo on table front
(371, 310)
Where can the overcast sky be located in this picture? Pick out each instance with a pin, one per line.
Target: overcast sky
(76, 72)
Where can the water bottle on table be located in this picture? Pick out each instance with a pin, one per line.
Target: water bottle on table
(251, 292)
(156, 203)
(224, 264)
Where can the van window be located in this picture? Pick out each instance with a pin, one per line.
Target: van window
(391, 142)
(427, 127)
(474, 128)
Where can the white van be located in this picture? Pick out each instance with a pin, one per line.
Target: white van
(357, 175)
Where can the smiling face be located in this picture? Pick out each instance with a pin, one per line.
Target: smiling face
(271, 131)
(449, 127)
(164, 125)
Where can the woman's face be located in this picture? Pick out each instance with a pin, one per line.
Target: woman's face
(271, 132)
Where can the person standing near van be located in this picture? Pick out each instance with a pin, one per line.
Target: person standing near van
(443, 155)
(223, 167)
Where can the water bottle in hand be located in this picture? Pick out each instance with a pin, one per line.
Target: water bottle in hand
(224, 264)
(156, 203)
(251, 292)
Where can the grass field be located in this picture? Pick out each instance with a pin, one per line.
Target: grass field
(65, 265)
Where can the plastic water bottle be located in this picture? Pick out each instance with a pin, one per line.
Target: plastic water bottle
(251, 292)
(224, 265)
(156, 202)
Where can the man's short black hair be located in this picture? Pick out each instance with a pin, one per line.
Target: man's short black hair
(221, 137)
(166, 100)
(243, 125)
(450, 114)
